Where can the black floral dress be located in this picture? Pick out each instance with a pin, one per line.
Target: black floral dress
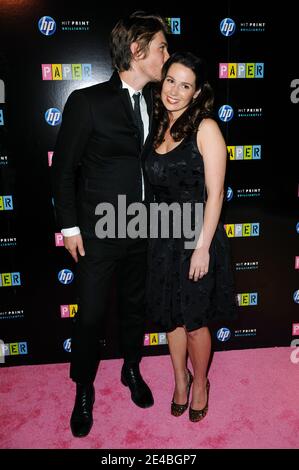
(172, 298)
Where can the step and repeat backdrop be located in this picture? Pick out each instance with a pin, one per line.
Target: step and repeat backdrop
(47, 51)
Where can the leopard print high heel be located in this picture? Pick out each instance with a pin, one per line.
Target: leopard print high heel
(176, 409)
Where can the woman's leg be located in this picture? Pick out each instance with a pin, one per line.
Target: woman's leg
(177, 342)
(199, 349)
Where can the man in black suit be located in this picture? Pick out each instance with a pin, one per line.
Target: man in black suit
(98, 156)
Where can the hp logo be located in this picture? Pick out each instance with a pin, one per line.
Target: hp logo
(67, 346)
(223, 334)
(227, 27)
(53, 116)
(226, 113)
(296, 296)
(65, 276)
(229, 194)
(47, 25)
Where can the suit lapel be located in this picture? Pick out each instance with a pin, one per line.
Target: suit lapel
(125, 99)
(127, 105)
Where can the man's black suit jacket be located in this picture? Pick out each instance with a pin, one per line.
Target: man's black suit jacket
(97, 154)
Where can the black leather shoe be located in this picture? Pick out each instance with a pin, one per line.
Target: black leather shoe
(81, 419)
(140, 392)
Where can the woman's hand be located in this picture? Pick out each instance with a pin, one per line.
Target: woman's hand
(199, 263)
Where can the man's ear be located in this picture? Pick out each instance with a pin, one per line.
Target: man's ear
(135, 49)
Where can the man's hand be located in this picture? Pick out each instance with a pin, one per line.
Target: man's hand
(72, 244)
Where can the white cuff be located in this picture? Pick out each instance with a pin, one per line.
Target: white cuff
(70, 232)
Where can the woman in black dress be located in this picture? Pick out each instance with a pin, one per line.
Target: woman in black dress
(189, 288)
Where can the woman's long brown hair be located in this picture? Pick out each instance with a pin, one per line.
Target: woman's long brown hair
(200, 107)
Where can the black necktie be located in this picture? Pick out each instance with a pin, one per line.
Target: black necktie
(136, 98)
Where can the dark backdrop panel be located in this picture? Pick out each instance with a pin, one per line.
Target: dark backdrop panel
(265, 191)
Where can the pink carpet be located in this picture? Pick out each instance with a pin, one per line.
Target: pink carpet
(254, 404)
